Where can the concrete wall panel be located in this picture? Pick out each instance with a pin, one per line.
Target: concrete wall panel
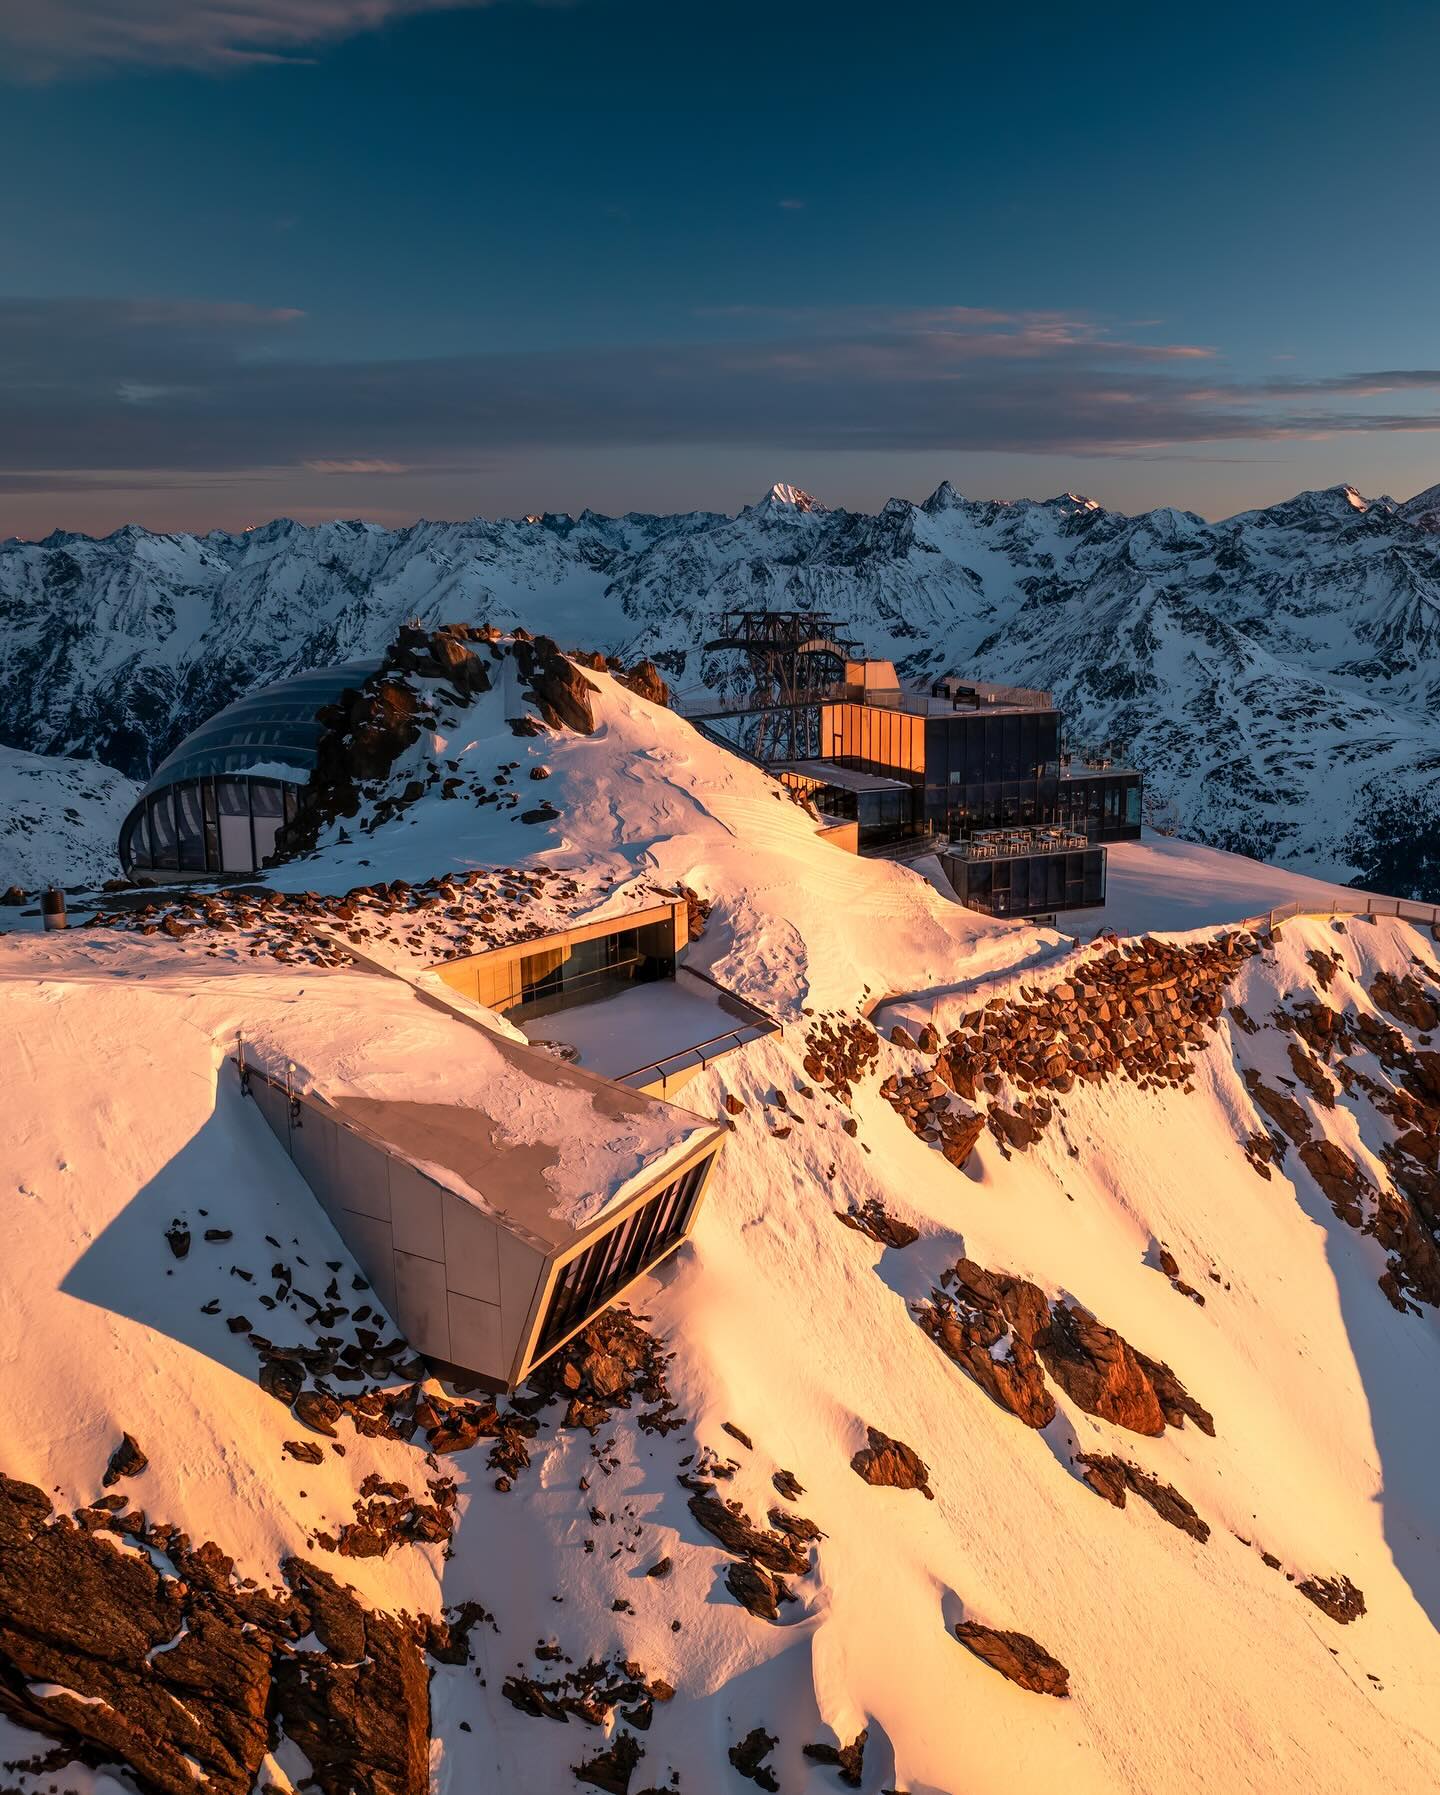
(312, 1146)
(521, 1267)
(372, 1249)
(472, 1254)
(475, 1339)
(420, 1304)
(415, 1212)
(362, 1176)
(275, 1108)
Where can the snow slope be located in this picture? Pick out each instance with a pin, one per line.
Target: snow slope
(1193, 1667)
(59, 820)
(1276, 674)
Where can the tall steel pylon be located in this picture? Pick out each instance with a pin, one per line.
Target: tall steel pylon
(795, 659)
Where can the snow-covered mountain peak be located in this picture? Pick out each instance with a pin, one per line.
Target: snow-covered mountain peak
(1424, 509)
(782, 497)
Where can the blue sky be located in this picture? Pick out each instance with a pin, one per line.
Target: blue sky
(387, 258)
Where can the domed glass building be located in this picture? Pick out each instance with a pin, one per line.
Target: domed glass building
(217, 802)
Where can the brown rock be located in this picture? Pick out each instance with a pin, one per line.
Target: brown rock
(748, 1757)
(1336, 1596)
(848, 1759)
(1016, 1656)
(127, 1460)
(1113, 1477)
(891, 1464)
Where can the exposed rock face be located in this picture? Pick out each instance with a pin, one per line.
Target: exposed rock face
(1336, 1596)
(848, 1759)
(1137, 1011)
(645, 679)
(560, 691)
(1406, 1000)
(985, 1313)
(748, 1756)
(1016, 1656)
(127, 1460)
(1401, 1211)
(1113, 1478)
(1284, 1112)
(1099, 1369)
(1001, 1329)
(892, 1464)
(77, 1612)
(873, 1219)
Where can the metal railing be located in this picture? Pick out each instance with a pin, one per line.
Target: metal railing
(1009, 844)
(699, 1056)
(1402, 908)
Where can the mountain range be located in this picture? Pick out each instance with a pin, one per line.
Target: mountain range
(1276, 675)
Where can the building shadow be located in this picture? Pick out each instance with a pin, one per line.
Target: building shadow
(232, 1177)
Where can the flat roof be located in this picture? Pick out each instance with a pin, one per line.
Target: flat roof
(508, 1127)
(825, 772)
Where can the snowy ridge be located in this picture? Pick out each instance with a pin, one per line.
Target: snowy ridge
(59, 820)
(1276, 675)
(1193, 1665)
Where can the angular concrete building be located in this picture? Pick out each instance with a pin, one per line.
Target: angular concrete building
(493, 1228)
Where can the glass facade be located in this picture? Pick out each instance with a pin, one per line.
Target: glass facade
(594, 1277)
(554, 978)
(217, 802)
(980, 769)
(1038, 884)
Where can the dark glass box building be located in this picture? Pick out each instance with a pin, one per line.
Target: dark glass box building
(1026, 872)
(978, 757)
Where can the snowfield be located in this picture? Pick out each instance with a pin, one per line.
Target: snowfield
(59, 820)
(1193, 1666)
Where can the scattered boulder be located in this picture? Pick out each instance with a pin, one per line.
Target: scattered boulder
(1016, 1656)
(848, 1759)
(872, 1219)
(891, 1464)
(127, 1460)
(748, 1757)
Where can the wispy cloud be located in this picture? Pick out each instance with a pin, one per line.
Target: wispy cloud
(43, 40)
(141, 387)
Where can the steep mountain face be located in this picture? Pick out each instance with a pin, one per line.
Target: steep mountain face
(1276, 675)
(59, 820)
(1041, 1402)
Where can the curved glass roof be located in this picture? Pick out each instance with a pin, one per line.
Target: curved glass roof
(268, 730)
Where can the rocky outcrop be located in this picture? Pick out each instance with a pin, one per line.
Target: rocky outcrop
(748, 1756)
(849, 1759)
(986, 1323)
(1099, 1370)
(1001, 1330)
(875, 1221)
(1407, 1000)
(1336, 1596)
(839, 1051)
(184, 1673)
(891, 1464)
(1016, 1656)
(1114, 1478)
